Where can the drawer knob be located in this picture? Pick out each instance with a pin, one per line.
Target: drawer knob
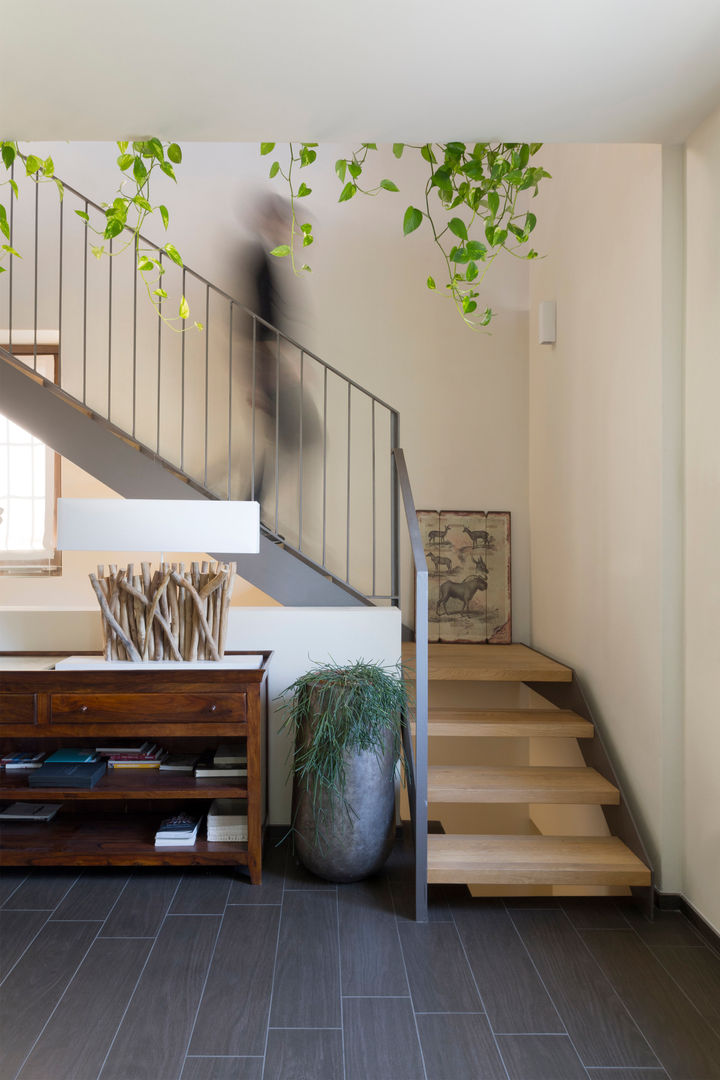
(212, 708)
(83, 708)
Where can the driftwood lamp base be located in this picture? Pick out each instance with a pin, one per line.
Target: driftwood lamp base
(165, 614)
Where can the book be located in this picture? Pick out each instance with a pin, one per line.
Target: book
(204, 771)
(84, 775)
(179, 830)
(143, 748)
(180, 841)
(150, 759)
(22, 761)
(230, 754)
(29, 811)
(184, 763)
(68, 755)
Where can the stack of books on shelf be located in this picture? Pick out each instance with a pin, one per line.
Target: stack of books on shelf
(180, 830)
(227, 820)
(29, 811)
(146, 756)
(68, 767)
(180, 763)
(229, 759)
(21, 762)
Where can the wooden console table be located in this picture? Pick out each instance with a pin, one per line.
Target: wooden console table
(113, 824)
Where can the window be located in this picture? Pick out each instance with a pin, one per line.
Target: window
(29, 487)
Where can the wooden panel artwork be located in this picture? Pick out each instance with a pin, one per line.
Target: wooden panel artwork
(468, 557)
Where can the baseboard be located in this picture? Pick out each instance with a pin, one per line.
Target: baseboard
(677, 902)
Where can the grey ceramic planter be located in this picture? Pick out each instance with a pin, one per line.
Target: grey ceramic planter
(348, 847)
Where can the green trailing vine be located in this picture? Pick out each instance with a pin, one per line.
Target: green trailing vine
(125, 215)
(470, 202)
(333, 711)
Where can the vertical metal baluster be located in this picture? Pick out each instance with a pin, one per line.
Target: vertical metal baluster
(347, 553)
(11, 262)
(35, 273)
(182, 387)
(300, 464)
(60, 296)
(109, 394)
(252, 409)
(394, 510)
(230, 333)
(374, 545)
(277, 430)
(84, 354)
(207, 376)
(159, 359)
(134, 346)
(324, 508)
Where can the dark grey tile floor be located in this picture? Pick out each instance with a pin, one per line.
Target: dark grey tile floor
(164, 975)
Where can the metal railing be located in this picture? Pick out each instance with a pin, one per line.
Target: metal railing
(241, 409)
(417, 759)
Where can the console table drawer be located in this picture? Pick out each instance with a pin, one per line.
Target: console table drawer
(181, 708)
(18, 709)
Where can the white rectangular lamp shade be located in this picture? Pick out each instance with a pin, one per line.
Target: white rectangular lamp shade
(192, 525)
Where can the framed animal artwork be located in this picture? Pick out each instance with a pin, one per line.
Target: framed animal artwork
(468, 557)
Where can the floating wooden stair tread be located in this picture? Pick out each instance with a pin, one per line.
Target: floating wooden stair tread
(507, 723)
(533, 860)
(518, 784)
(489, 663)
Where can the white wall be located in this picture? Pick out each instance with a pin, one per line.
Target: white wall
(364, 308)
(702, 592)
(299, 638)
(596, 446)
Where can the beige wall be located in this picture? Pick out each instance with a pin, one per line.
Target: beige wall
(596, 439)
(702, 593)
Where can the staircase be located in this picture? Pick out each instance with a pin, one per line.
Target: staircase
(523, 860)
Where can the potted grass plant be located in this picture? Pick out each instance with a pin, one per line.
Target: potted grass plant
(347, 726)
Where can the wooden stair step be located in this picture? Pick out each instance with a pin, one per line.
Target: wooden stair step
(507, 723)
(533, 860)
(488, 663)
(518, 784)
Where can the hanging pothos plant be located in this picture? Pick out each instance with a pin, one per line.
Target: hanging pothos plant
(126, 214)
(470, 203)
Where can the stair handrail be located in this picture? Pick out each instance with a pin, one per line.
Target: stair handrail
(418, 761)
(377, 578)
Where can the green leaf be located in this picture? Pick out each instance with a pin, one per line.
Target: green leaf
(398, 148)
(156, 147)
(427, 153)
(431, 283)
(174, 254)
(530, 223)
(113, 228)
(199, 326)
(354, 169)
(307, 240)
(184, 309)
(125, 161)
(122, 146)
(83, 215)
(476, 250)
(472, 271)
(469, 305)
(307, 156)
(370, 145)
(458, 255)
(347, 192)
(457, 227)
(139, 171)
(388, 185)
(159, 292)
(274, 169)
(303, 190)
(493, 200)
(32, 164)
(145, 265)
(412, 220)
(281, 251)
(340, 169)
(306, 228)
(143, 203)
(4, 228)
(3, 269)
(306, 267)
(490, 233)
(266, 148)
(164, 215)
(98, 251)
(48, 167)
(8, 154)
(486, 317)
(500, 237)
(174, 153)
(13, 185)
(167, 168)
(11, 250)
(59, 186)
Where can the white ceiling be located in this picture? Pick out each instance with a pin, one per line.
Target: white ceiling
(381, 70)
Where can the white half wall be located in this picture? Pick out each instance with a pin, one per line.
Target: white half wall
(300, 638)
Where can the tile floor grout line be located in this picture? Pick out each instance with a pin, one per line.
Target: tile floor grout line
(407, 980)
(340, 984)
(207, 976)
(137, 981)
(59, 1000)
(272, 983)
(39, 931)
(12, 893)
(480, 997)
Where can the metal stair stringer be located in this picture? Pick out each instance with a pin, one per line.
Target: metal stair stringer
(133, 471)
